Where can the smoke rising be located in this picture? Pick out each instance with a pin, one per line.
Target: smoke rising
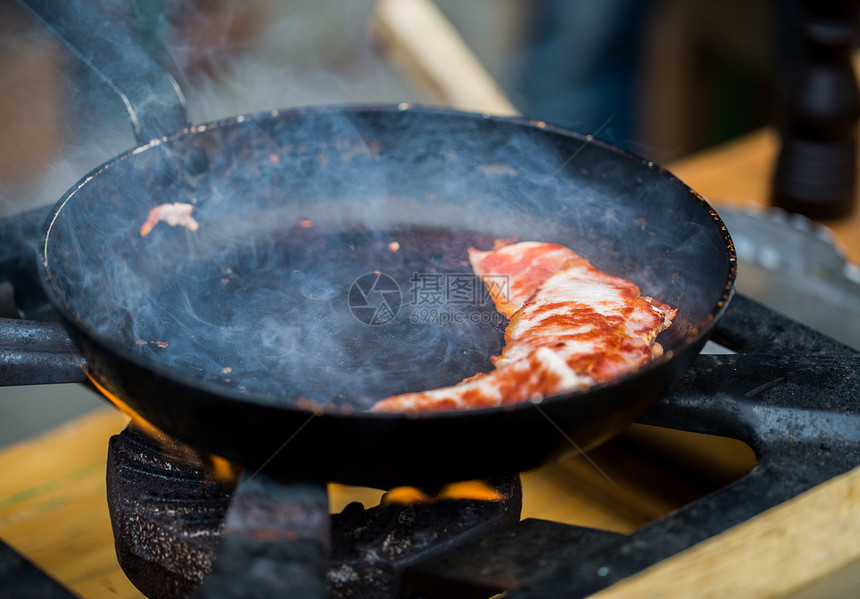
(230, 57)
(292, 207)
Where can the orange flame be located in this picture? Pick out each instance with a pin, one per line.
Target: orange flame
(222, 470)
(406, 495)
(140, 422)
(470, 489)
(476, 490)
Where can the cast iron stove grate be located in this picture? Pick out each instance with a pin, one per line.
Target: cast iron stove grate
(788, 392)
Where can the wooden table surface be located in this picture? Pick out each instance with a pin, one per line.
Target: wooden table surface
(53, 508)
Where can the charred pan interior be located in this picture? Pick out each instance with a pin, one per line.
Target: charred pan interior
(293, 207)
(290, 209)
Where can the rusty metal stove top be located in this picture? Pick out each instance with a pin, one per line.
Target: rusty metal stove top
(788, 392)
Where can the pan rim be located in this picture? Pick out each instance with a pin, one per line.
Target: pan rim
(71, 315)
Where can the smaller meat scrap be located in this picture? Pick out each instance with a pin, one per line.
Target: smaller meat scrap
(175, 214)
(570, 326)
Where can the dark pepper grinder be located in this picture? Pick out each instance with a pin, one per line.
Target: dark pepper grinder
(816, 170)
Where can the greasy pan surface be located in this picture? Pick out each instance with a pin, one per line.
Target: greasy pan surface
(243, 338)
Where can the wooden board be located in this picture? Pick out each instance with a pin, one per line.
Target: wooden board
(53, 508)
(807, 547)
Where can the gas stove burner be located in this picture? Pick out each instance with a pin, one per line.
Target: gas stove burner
(789, 394)
(168, 518)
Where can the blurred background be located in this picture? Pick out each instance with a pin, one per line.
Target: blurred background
(663, 78)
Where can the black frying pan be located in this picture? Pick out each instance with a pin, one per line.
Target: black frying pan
(243, 339)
